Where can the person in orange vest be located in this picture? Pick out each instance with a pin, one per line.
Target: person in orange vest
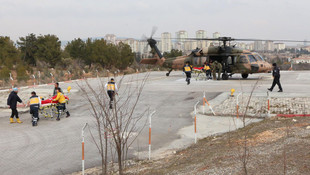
(34, 103)
(207, 69)
(188, 71)
(111, 90)
(62, 103)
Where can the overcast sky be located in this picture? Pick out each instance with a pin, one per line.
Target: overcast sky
(69, 19)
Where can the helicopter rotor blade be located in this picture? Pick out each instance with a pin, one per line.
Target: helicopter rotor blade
(297, 41)
(238, 39)
(143, 37)
(154, 29)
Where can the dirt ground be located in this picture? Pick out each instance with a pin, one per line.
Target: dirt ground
(274, 146)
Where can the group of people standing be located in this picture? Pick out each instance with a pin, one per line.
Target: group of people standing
(217, 67)
(34, 103)
(207, 68)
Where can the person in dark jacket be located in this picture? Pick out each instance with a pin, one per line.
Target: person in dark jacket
(276, 78)
(56, 88)
(12, 102)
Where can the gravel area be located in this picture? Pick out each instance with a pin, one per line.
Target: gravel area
(259, 105)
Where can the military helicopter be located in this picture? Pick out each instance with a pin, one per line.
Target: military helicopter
(233, 60)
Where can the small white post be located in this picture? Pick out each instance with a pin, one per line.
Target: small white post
(150, 132)
(204, 103)
(12, 80)
(39, 75)
(34, 79)
(52, 77)
(97, 73)
(195, 122)
(69, 74)
(84, 73)
(83, 148)
(268, 99)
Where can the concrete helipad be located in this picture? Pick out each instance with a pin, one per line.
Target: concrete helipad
(55, 147)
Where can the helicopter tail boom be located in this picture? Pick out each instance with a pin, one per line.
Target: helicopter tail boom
(149, 61)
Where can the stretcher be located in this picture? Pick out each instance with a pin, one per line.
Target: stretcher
(199, 73)
(50, 108)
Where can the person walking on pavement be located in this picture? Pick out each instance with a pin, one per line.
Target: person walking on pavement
(188, 71)
(12, 102)
(276, 78)
(35, 103)
(61, 103)
(111, 90)
(55, 89)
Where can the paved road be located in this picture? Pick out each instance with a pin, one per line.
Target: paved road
(54, 147)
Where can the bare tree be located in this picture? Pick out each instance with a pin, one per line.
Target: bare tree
(244, 156)
(121, 122)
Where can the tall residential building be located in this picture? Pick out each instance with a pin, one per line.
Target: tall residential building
(258, 46)
(134, 44)
(166, 44)
(110, 38)
(143, 47)
(269, 46)
(279, 46)
(181, 35)
(250, 46)
(201, 34)
(216, 35)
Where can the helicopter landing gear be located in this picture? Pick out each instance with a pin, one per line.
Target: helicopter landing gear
(244, 76)
(224, 76)
(167, 74)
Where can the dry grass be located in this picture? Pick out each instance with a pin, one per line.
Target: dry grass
(221, 155)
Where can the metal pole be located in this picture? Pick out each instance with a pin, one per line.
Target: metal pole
(52, 77)
(204, 103)
(12, 80)
(150, 132)
(268, 97)
(83, 148)
(195, 123)
(39, 75)
(238, 104)
(34, 79)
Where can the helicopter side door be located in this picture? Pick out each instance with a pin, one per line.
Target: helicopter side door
(242, 64)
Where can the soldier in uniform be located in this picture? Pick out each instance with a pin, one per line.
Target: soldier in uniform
(216, 66)
(276, 78)
(188, 71)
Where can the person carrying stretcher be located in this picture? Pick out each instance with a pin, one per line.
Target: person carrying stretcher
(61, 103)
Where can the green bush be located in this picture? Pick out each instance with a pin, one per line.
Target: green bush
(21, 73)
(5, 74)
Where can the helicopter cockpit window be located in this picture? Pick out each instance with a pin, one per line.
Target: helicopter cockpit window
(261, 57)
(258, 57)
(229, 60)
(252, 58)
(243, 59)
